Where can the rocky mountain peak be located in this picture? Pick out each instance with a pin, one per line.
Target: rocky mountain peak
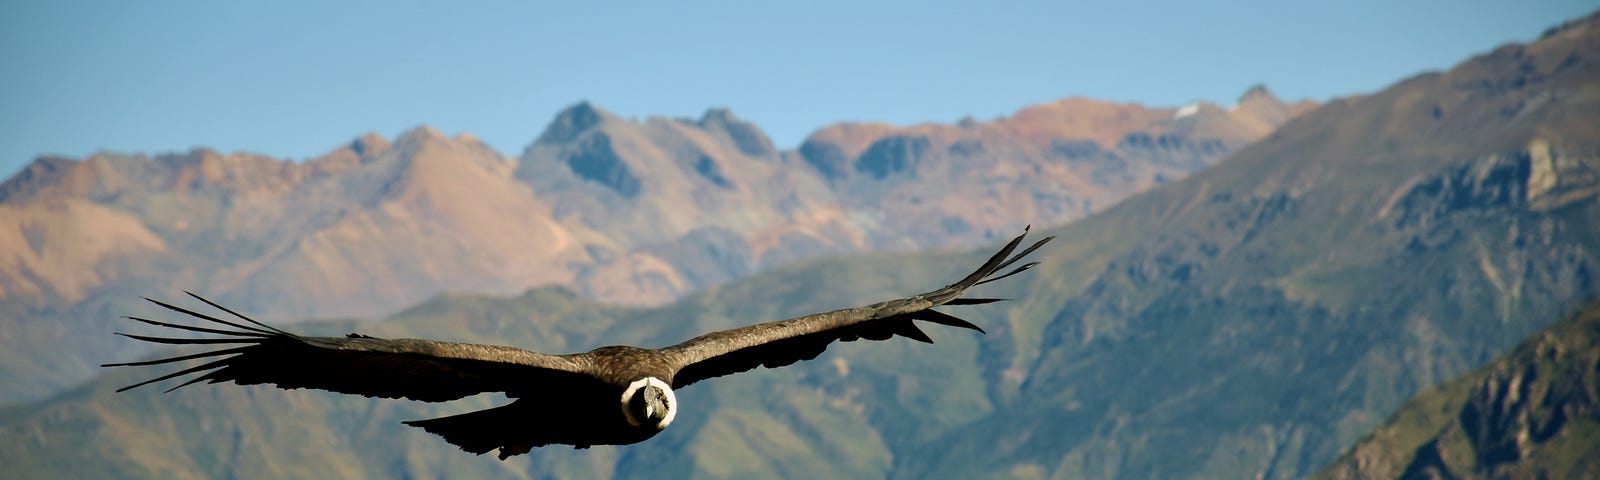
(718, 116)
(420, 133)
(573, 121)
(360, 151)
(747, 137)
(1257, 92)
(1572, 26)
(414, 142)
(1260, 104)
(44, 170)
(369, 145)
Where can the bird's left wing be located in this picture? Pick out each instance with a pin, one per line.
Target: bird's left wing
(783, 342)
(415, 369)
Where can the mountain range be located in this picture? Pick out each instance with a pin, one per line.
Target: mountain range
(1252, 320)
(621, 211)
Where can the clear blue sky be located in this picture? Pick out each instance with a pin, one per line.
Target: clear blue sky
(296, 79)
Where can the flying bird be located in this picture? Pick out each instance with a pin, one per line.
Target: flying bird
(613, 395)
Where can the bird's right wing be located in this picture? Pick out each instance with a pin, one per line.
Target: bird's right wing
(784, 342)
(423, 370)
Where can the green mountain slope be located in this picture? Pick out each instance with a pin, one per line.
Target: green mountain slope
(1533, 413)
(1254, 319)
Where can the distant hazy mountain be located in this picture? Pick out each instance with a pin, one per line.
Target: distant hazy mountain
(358, 230)
(1250, 321)
(620, 211)
(693, 203)
(1053, 161)
(1533, 413)
(369, 227)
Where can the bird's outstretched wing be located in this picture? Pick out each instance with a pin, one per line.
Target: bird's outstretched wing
(783, 342)
(357, 364)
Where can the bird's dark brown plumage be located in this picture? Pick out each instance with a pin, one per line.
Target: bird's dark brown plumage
(561, 399)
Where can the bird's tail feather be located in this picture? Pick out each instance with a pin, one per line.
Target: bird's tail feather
(480, 431)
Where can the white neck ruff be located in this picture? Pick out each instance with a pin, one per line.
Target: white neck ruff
(672, 400)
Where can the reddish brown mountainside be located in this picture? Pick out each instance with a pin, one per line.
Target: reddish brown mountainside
(1052, 162)
(622, 211)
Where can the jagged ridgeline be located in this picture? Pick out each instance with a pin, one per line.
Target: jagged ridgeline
(639, 212)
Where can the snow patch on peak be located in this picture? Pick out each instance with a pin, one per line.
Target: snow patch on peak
(1187, 110)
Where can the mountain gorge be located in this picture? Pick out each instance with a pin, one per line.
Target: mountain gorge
(619, 210)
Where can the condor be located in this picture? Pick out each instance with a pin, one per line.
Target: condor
(615, 395)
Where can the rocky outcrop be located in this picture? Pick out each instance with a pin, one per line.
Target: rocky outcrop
(1529, 414)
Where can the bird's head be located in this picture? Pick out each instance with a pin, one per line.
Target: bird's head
(649, 402)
